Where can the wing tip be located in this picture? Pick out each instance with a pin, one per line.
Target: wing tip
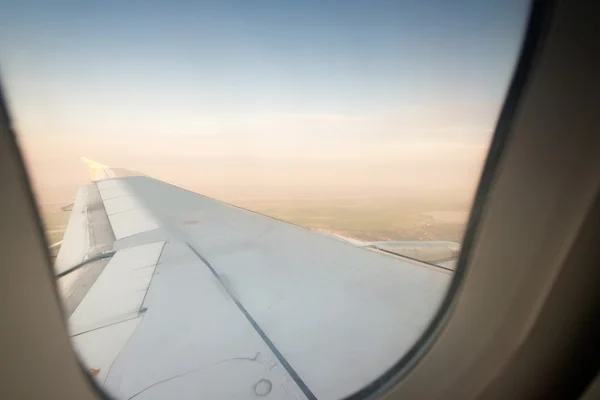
(92, 163)
(98, 172)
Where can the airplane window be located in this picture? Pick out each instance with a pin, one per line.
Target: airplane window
(259, 198)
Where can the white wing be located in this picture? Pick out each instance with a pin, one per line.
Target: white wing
(202, 297)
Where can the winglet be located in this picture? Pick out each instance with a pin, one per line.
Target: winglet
(98, 171)
(92, 163)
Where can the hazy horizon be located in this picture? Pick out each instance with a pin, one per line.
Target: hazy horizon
(262, 100)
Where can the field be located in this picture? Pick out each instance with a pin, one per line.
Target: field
(368, 218)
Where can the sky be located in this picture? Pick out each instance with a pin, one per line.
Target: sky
(398, 95)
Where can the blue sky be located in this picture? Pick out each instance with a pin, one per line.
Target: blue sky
(256, 71)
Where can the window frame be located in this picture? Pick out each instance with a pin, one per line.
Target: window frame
(505, 302)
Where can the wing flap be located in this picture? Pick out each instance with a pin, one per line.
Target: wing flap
(118, 293)
(99, 348)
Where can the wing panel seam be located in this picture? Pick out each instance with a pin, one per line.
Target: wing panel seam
(293, 374)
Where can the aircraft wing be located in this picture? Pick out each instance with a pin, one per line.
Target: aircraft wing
(190, 297)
